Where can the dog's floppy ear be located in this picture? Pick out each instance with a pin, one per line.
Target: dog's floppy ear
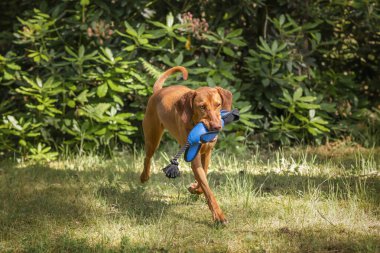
(226, 98)
(184, 106)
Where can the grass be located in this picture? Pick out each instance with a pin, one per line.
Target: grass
(299, 200)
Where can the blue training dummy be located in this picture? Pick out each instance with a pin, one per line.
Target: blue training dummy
(197, 136)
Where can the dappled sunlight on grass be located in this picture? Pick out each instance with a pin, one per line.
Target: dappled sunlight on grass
(286, 200)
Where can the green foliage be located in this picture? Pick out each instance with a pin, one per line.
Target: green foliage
(278, 68)
(9, 70)
(76, 96)
(299, 116)
(76, 75)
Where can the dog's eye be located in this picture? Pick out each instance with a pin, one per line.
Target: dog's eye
(217, 105)
(202, 107)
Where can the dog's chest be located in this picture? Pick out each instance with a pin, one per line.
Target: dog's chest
(207, 147)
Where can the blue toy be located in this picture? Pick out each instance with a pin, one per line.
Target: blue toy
(197, 136)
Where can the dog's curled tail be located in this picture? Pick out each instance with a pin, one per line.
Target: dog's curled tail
(158, 84)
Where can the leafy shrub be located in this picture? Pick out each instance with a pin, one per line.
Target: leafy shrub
(78, 97)
(75, 75)
(278, 68)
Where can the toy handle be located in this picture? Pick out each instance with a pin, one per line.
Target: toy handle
(231, 116)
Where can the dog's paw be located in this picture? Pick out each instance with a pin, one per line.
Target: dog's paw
(220, 219)
(220, 223)
(195, 189)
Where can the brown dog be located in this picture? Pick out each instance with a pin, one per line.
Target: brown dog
(178, 109)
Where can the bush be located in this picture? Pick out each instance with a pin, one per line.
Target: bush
(75, 76)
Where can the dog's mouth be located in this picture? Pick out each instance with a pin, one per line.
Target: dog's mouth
(211, 126)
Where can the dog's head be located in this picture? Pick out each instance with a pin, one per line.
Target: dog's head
(204, 105)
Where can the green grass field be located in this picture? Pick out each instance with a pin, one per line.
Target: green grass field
(300, 200)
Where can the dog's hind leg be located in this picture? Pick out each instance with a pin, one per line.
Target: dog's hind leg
(153, 131)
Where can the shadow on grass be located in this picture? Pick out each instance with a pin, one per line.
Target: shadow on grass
(66, 243)
(42, 191)
(338, 239)
(134, 199)
(40, 205)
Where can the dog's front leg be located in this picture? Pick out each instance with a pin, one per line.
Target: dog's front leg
(195, 187)
(200, 176)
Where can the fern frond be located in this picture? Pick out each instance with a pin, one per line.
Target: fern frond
(152, 70)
